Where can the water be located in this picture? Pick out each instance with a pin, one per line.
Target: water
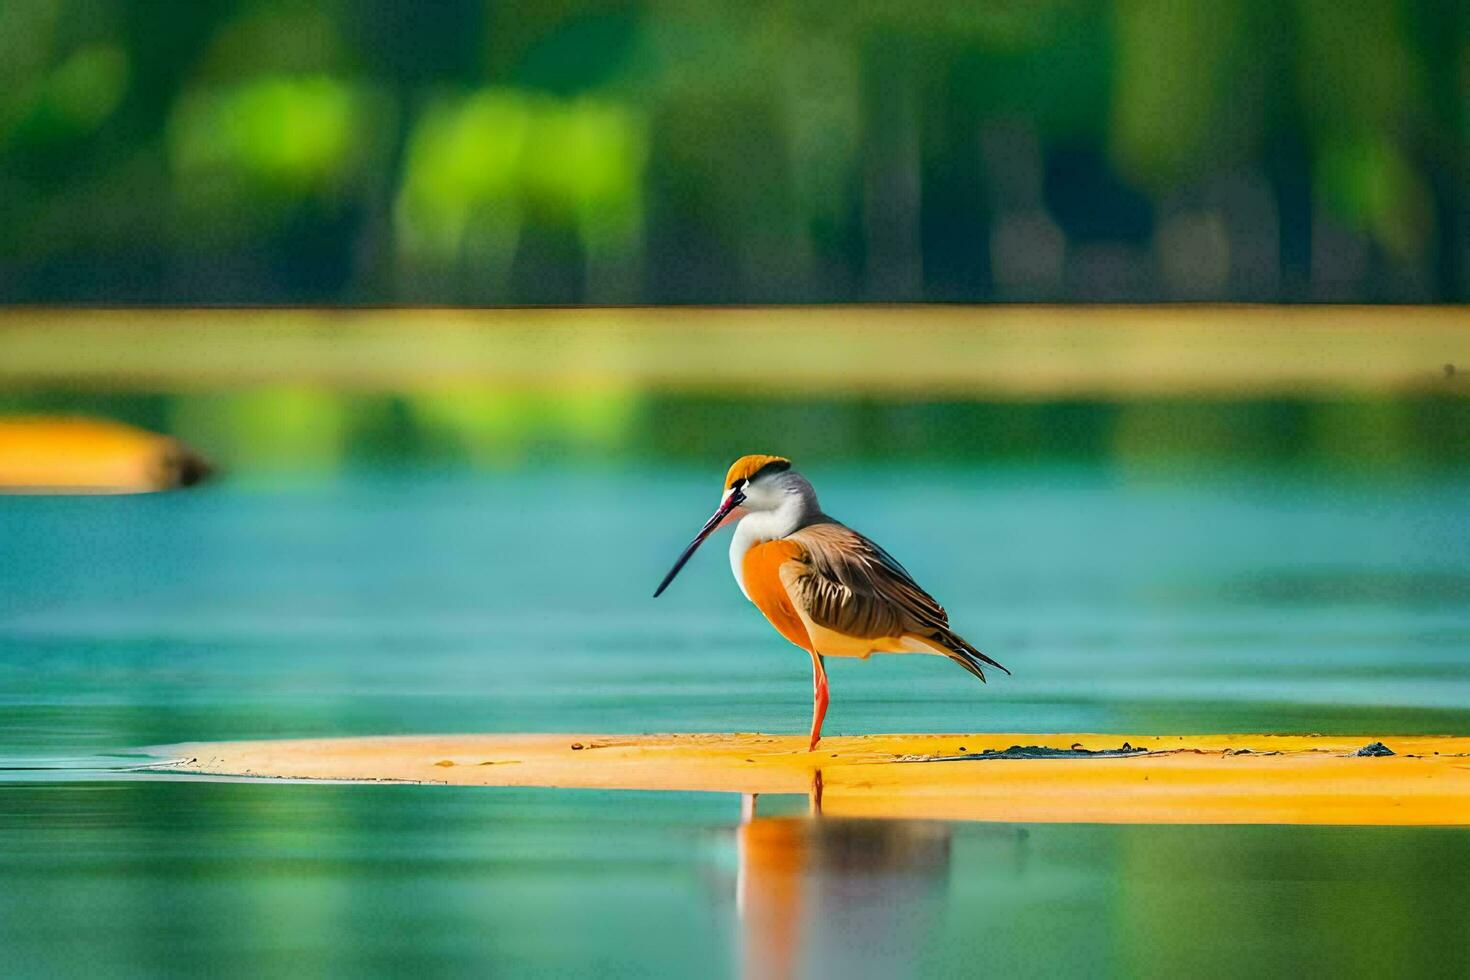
(190, 878)
(520, 600)
(414, 600)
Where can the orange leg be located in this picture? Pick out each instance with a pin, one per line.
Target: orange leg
(819, 698)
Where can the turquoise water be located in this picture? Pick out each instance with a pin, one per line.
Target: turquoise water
(386, 601)
(519, 601)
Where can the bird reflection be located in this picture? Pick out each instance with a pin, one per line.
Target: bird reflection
(837, 897)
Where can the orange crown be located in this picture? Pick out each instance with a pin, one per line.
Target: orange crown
(747, 466)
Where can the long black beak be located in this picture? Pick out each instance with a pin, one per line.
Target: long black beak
(735, 499)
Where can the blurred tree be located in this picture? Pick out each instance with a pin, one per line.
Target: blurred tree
(615, 150)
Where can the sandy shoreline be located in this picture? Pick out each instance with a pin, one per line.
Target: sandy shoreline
(1181, 779)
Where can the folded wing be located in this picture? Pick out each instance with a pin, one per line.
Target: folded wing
(852, 586)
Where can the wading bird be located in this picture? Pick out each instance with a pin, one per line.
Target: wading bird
(824, 586)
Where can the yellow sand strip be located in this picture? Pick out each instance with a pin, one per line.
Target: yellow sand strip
(939, 351)
(1184, 779)
(80, 455)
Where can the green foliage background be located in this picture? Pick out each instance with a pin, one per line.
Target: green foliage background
(463, 151)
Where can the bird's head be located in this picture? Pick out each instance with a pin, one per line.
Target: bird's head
(753, 483)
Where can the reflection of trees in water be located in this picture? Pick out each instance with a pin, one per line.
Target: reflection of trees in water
(269, 427)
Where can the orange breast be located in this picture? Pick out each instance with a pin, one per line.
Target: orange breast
(761, 572)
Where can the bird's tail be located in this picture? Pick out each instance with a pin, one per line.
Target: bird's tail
(962, 653)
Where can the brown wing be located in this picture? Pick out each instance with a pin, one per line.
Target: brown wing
(854, 587)
(850, 588)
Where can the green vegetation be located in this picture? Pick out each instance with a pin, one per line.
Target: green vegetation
(471, 151)
(296, 427)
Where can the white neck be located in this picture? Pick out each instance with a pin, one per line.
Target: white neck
(763, 525)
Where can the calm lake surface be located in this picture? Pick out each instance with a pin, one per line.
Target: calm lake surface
(377, 601)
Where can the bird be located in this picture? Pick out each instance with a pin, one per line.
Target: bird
(825, 587)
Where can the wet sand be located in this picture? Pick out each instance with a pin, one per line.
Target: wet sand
(1217, 779)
